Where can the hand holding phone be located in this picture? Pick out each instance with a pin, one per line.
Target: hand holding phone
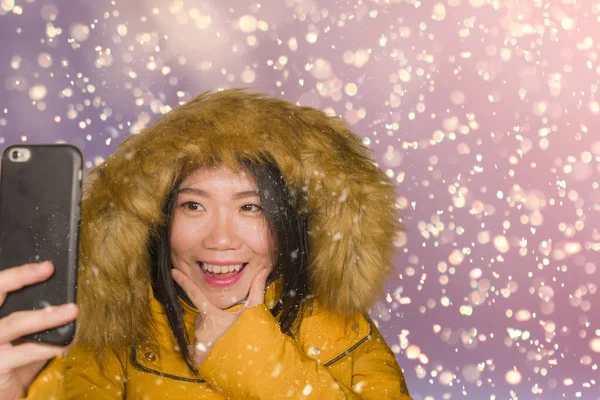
(20, 364)
(40, 193)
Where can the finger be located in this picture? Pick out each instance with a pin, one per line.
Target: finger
(15, 278)
(257, 289)
(27, 353)
(194, 293)
(23, 323)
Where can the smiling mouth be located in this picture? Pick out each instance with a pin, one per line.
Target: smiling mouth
(221, 271)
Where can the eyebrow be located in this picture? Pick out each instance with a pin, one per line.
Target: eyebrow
(236, 196)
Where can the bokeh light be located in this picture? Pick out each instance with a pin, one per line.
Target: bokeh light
(484, 112)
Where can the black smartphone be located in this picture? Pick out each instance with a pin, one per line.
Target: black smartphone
(40, 196)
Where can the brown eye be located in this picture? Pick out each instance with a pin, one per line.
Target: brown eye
(252, 208)
(192, 206)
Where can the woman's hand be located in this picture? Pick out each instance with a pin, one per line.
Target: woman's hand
(20, 364)
(212, 322)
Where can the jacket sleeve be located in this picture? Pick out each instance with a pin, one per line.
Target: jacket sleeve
(85, 379)
(255, 360)
(49, 383)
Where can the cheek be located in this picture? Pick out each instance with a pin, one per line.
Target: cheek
(180, 235)
(257, 238)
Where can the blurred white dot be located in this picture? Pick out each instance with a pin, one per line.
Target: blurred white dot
(466, 310)
(568, 381)
(37, 92)
(513, 377)
(446, 378)
(523, 315)
(248, 76)
(15, 62)
(248, 23)
(7, 5)
(475, 273)
(361, 57)
(203, 21)
(321, 69)
(311, 37)
(49, 12)
(477, 3)
(348, 57)
(456, 257)
(404, 75)
(457, 97)
(122, 30)
(595, 345)
(392, 158)
(44, 60)
(439, 12)
(471, 373)
(80, 32)
(413, 351)
(501, 243)
(307, 390)
(351, 89)
(400, 239)
(567, 23)
(293, 44)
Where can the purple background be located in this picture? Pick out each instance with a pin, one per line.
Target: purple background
(484, 111)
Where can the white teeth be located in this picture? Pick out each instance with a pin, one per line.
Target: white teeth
(221, 269)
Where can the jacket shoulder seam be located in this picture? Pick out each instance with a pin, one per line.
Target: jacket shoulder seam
(348, 351)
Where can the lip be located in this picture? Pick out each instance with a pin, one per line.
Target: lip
(223, 282)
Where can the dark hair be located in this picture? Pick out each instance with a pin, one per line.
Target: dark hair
(288, 226)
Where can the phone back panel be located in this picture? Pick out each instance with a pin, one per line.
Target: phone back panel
(39, 220)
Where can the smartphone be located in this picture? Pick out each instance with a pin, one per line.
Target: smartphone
(40, 196)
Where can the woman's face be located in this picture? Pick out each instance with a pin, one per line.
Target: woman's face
(219, 236)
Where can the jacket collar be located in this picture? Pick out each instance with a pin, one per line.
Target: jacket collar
(341, 336)
(322, 336)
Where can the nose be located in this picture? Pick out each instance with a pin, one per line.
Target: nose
(221, 233)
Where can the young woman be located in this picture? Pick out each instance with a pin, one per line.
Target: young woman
(231, 250)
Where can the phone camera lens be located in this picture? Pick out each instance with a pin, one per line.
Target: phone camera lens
(16, 154)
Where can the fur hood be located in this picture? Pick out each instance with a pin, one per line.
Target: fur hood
(351, 205)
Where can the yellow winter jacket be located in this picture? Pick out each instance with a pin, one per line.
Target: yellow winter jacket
(352, 216)
(332, 358)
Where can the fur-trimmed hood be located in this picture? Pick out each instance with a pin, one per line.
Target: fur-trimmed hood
(351, 205)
